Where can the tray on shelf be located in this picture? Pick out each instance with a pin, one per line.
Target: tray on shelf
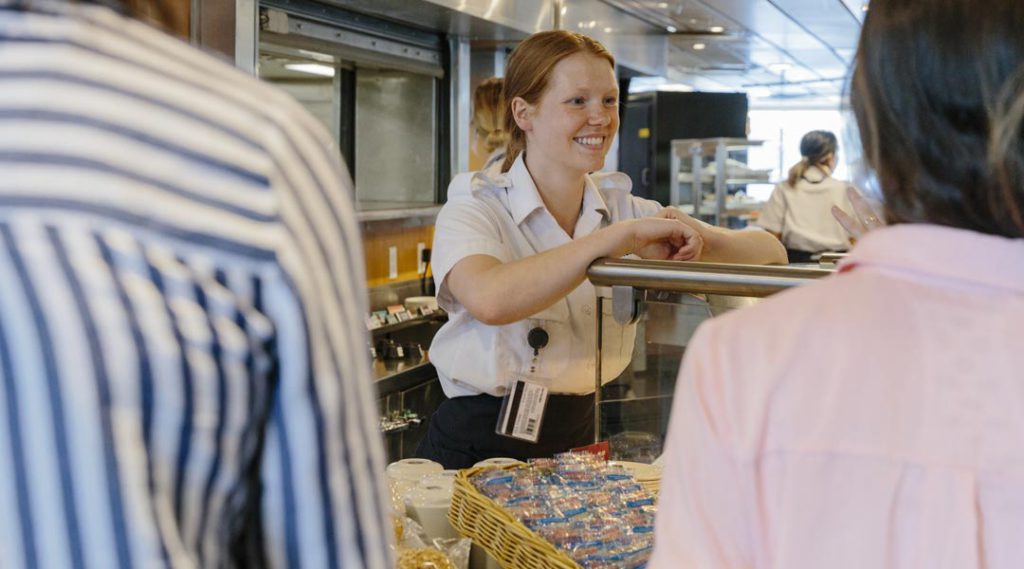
(708, 178)
(731, 208)
(510, 542)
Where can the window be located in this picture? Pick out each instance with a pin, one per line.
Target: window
(782, 129)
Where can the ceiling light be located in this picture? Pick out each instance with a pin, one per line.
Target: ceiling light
(716, 29)
(699, 46)
(671, 29)
(761, 93)
(779, 67)
(864, 7)
(311, 68)
(663, 5)
(607, 30)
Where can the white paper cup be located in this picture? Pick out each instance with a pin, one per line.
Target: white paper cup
(428, 504)
(405, 474)
(498, 461)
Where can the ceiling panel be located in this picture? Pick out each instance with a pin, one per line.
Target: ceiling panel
(787, 48)
(830, 21)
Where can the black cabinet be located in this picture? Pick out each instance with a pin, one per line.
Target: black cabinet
(650, 121)
(420, 401)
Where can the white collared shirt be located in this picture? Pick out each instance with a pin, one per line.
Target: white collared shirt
(503, 216)
(803, 215)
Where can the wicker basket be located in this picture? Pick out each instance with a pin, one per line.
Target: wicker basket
(510, 542)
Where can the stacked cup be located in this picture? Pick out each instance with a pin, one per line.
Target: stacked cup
(498, 461)
(428, 503)
(405, 474)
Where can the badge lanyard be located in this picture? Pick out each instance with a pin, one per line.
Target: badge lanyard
(522, 408)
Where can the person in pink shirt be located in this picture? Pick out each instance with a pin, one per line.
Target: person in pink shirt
(876, 419)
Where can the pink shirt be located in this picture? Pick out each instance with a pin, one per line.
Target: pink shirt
(873, 420)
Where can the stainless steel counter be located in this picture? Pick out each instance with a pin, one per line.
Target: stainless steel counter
(392, 376)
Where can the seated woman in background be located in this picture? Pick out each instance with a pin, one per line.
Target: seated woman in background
(799, 211)
(876, 417)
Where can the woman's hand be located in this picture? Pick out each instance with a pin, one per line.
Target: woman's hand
(665, 239)
(864, 218)
(721, 245)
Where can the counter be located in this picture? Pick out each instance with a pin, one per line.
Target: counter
(397, 210)
(392, 376)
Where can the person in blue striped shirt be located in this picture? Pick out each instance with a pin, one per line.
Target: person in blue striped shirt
(184, 378)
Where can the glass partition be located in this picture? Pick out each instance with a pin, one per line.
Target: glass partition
(667, 301)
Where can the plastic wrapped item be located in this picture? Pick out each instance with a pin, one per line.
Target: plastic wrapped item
(493, 478)
(425, 558)
(415, 551)
(635, 446)
(597, 513)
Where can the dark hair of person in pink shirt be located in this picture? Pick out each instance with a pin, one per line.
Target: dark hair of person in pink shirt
(938, 91)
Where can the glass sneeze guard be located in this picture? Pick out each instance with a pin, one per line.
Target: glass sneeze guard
(665, 301)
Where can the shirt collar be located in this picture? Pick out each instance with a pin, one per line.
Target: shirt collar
(593, 200)
(815, 175)
(942, 252)
(524, 198)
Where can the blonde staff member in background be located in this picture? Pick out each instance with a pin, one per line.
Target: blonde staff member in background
(511, 253)
(490, 136)
(799, 211)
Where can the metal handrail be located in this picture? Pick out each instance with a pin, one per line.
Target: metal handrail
(702, 278)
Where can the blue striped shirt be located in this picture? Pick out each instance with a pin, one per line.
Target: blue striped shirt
(184, 367)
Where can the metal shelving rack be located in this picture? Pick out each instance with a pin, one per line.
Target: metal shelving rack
(693, 151)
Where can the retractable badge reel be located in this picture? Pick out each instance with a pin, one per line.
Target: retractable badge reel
(522, 408)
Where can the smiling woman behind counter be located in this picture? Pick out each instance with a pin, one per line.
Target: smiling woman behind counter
(511, 250)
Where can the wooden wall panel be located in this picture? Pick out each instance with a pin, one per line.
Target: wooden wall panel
(378, 237)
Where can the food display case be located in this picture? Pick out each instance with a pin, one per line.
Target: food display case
(666, 301)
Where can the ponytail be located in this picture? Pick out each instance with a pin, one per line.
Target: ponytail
(817, 148)
(797, 171)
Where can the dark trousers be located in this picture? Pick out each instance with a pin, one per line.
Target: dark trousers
(798, 256)
(461, 431)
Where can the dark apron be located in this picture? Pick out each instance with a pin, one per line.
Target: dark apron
(461, 431)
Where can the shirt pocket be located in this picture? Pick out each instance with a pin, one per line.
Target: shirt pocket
(553, 360)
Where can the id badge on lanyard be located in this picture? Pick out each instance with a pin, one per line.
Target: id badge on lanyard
(522, 408)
